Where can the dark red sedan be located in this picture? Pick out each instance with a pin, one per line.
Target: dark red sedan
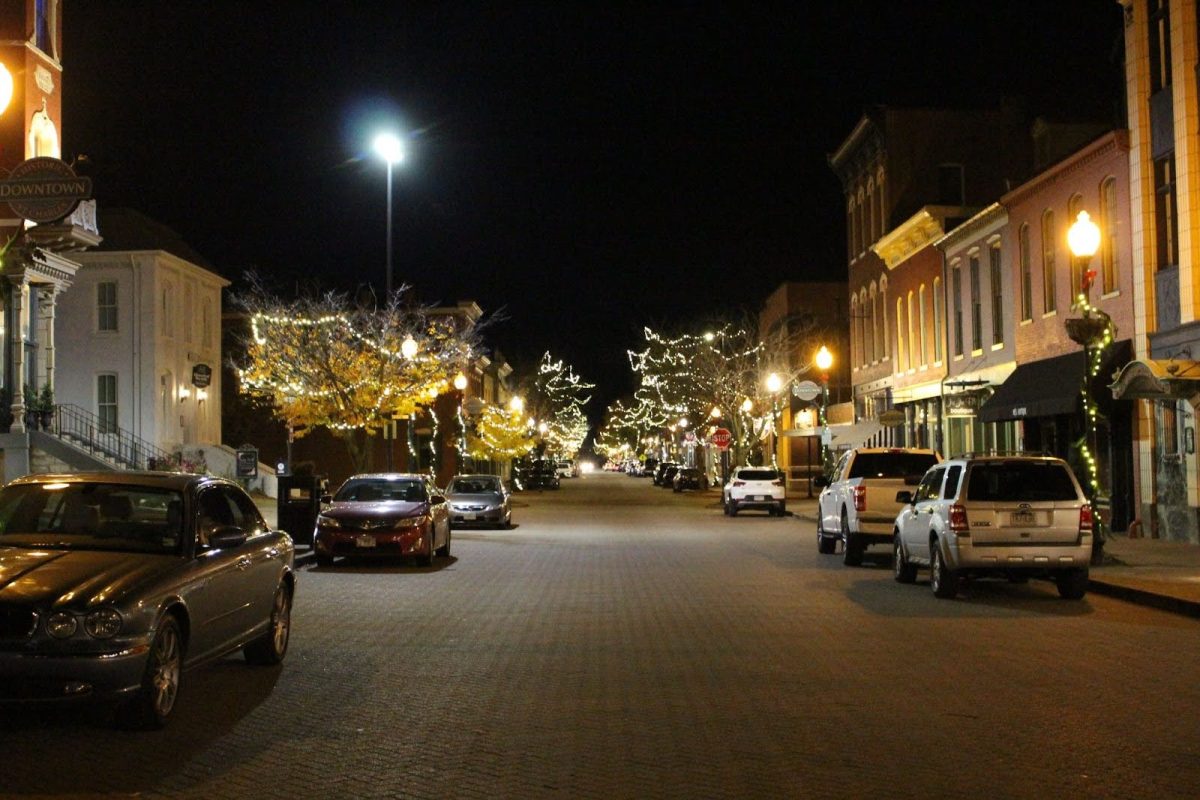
(384, 515)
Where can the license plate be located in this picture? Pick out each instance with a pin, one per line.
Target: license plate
(364, 541)
(1021, 518)
(468, 517)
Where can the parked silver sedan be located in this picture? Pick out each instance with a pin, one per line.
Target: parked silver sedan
(113, 583)
(479, 500)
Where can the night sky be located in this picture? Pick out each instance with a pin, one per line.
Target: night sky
(589, 168)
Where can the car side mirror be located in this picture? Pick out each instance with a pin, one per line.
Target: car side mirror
(326, 499)
(226, 536)
(821, 481)
(904, 498)
(436, 500)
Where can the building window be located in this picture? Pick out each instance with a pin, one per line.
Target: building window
(1048, 299)
(106, 306)
(1074, 206)
(1026, 273)
(106, 402)
(956, 297)
(879, 203)
(886, 349)
(1166, 220)
(922, 354)
(976, 306)
(1170, 432)
(939, 325)
(206, 323)
(872, 236)
(1160, 45)
(856, 343)
(997, 296)
(851, 233)
(1109, 264)
(188, 315)
(860, 217)
(901, 352)
(951, 187)
(873, 356)
(912, 333)
(42, 24)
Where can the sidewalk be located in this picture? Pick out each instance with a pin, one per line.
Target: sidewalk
(1149, 572)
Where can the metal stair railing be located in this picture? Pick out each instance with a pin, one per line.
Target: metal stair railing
(87, 430)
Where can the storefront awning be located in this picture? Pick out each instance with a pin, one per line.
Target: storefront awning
(845, 436)
(1038, 389)
(1155, 379)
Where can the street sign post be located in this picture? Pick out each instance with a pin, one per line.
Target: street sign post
(247, 461)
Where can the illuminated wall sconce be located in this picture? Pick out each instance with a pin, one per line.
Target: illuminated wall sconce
(184, 393)
(806, 418)
(6, 88)
(201, 395)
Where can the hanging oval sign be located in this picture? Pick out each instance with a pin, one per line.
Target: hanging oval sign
(44, 189)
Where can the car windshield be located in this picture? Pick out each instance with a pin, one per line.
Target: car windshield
(758, 475)
(368, 490)
(1029, 481)
(475, 486)
(891, 465)
(81, 515)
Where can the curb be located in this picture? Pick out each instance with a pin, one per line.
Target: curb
(1141, 597)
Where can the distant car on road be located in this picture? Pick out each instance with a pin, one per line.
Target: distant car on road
(478, 500)
(689, 478)
(755, 487)
(660, 471)
(112, 584)
(384, 515)
(567, 469)
(542, 474)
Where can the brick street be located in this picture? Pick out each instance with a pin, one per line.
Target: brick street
(625, 641)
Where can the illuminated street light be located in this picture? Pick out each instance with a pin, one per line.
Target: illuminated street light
(747, 405)
(715, 413)
(774, 383)
(1083, 237)
(824, 359)
(543, 428)
(683, 422)
(389, 147)
(516, 403)
(408, 348)
(460, 382)
(709, 336)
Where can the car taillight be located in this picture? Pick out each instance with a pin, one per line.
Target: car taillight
(958, 520)
(860, 498)
(1085, 519)
(777, 483)
(739, 483)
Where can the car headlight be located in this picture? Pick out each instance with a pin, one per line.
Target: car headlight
(327, 522)
(62, 625)
(103, 624)
(412, 522)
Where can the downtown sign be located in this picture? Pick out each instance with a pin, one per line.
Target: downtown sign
(44, 189)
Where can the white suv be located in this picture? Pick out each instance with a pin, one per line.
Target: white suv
(755, 487)
(1016, 516)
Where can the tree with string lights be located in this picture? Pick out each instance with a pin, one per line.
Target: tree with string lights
(325, 361)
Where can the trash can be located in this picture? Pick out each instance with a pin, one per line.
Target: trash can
(299, 503)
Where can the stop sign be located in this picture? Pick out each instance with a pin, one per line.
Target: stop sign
(721, 438)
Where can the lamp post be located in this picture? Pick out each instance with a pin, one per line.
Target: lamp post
(389, 147)
(1093, 330)
(824, 360)
(774, 385)
(460, 385)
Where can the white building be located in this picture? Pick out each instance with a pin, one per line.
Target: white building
(138, 340)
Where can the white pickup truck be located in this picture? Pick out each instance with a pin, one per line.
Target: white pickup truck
(858, 504)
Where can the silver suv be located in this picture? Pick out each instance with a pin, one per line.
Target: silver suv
(1015, 516)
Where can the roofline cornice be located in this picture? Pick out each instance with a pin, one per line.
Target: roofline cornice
(1107, 144)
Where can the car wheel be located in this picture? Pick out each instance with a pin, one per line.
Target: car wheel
(271, 647)
(903, 571)
(825, 544)
(733, 509)
(324, 561)
(852, 549)
(942, 579)
(1072, 583)
(783, 509)
(155, 699)
(426, 558)
(444, 550)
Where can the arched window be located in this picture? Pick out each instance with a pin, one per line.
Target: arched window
(1026, 276)
(864, 327)
(851, 232)
(912, 332)
(1048, 299)
(879, 214)
(1074, 206)
(855, 333)
(1109, 264)
(922, 353)
(872, 236)
(901, 350)
(873, 341)
(885, 349)
(939, 320)
(860, 222)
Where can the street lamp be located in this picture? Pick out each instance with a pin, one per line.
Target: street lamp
(408, 348)
(1094, 331)
(516, 404)
(774, 385)
(389, 147)
(824, 360)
